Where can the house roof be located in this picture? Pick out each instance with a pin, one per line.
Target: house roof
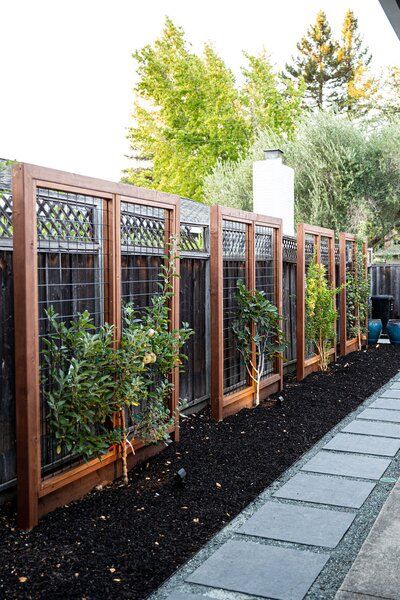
(392, 10)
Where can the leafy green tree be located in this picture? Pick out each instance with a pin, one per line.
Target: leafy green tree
(257, 325)
(187, 115)
(317, 64)
(320, 312)
(346, 176)
(358, 87)
(270, 100)
(389, 104)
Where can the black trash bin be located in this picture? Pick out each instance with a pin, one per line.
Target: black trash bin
(382, 308)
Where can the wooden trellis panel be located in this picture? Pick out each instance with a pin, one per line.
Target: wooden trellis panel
(320, 241)
(57, 215)
(249, 247)
(348, 249)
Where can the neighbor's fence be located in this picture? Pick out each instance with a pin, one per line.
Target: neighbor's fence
(385, 279)
(246, 247)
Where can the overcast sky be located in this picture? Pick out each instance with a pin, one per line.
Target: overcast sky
(67, 73)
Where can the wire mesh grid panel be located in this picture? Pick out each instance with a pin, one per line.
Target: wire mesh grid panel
(313, 244)
(244, 247)
(72, 278)
(69, 243)
(143, 246)
(265, 272)
(234, 269)
(349, 248)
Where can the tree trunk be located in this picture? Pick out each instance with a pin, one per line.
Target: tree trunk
(123, 448)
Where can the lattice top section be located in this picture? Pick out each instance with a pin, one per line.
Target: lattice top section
(309, 247)
(142, 228)
(193, 238)
(337, 254)
(289, 249)
(264, 242)
(6, 227)
(66, 217)
(233, 240)
(349, 253)
(325, 251)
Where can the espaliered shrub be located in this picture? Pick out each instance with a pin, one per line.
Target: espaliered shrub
(320, 312)
(357, 297)
(92, 385)
(257, 325)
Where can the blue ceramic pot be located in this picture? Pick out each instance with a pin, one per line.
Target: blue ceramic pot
(374, 330)
(393, 329)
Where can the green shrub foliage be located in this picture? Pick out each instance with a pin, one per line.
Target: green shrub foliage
(88, 379)
(320, 312)
(257, 324)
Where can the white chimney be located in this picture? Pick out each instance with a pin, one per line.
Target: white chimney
(273, 189)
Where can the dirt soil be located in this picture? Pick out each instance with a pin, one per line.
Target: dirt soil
(123, 542)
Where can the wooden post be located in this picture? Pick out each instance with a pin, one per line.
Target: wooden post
(217, 316)
(343, 304)
(27, 393)
(300, 301)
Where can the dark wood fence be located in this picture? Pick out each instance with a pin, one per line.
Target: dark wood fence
(385, 279)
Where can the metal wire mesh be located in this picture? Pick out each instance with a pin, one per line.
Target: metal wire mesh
(72, 278)
(309, 246)
(143, 246)
(265, 273)
(350, 267)
(234, 268)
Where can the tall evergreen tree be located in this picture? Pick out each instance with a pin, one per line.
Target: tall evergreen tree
(270, 100)
(317, 64)
(187, 116)
(357, 86)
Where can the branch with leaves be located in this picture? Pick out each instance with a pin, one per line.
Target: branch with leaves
(88, 379)
(320, 312)
(258, 332)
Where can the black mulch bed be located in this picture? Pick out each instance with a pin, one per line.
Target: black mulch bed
(123, 542)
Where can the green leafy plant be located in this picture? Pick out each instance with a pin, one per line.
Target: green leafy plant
(258, 332)
(92, 385)
(357, 297)
(78, 385)
(148, 352)
(320, 312)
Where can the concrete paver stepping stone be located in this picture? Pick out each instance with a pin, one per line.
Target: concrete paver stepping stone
(389, 403)
(380, 414)
(364, 444)
(380, 428)
(391, 393)
(395, 385)
(299, 524)
(185, 596)
(351, 465)
(260, 570)
(322, 489)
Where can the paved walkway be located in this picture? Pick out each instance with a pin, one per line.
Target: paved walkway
(302, 534)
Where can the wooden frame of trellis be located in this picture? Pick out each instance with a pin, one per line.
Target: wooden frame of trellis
(349, 345)
(306, 365)
(38, 495)
(223, 404)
